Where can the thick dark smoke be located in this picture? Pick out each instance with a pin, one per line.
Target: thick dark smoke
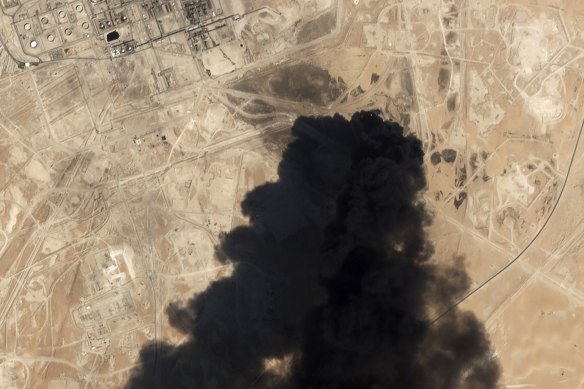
(333, 280)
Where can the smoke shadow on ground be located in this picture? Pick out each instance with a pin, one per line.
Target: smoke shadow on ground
(332, 280)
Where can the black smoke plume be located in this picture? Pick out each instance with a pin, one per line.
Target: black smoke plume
(333, 281)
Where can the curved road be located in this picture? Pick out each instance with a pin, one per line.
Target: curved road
(510, 263)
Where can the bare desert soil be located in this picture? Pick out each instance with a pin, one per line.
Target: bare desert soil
(122, 162)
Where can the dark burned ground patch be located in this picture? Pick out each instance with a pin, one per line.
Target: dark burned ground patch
(257, 121)
(459, 199)
(306, 82)
(235, 100)
(301, 82)
(446, 155)
(449, 155)
(474, 164)
(256, 106)
(451, 103)
(461, 176)
(357, 91)
(435, 158)
(318, 27)
(407, 84)
(443, 78)
(400, 103)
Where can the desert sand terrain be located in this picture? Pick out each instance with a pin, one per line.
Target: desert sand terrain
(131, 131)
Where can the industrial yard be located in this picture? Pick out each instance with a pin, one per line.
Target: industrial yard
(131, 131)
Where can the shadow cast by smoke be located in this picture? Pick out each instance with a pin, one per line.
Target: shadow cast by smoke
(332, 279)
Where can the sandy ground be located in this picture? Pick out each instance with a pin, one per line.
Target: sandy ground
(151, 154)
